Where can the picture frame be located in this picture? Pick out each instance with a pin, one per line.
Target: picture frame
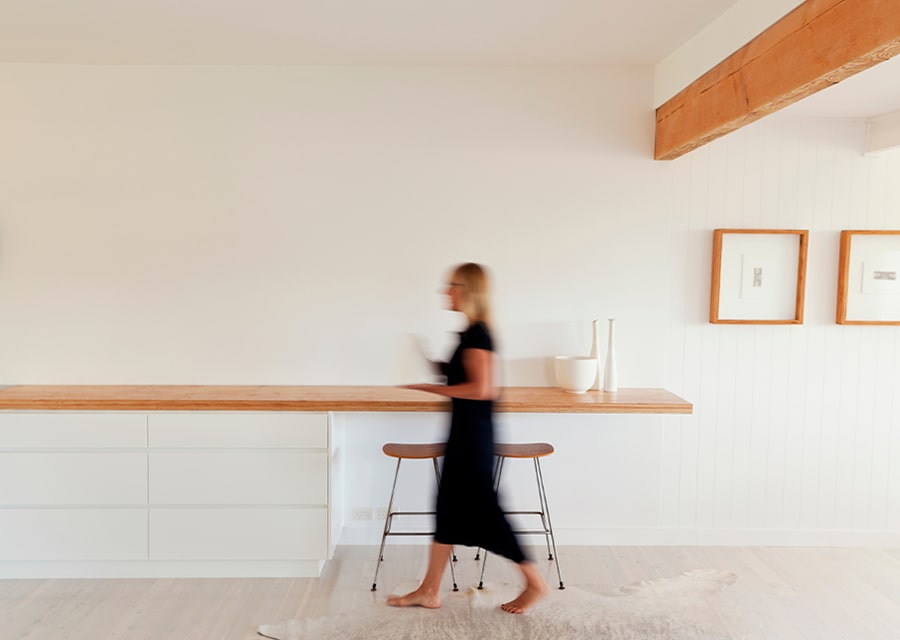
(758, 276)
(869, 278)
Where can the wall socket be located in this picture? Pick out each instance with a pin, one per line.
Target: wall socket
(381, 513)
(361, 513)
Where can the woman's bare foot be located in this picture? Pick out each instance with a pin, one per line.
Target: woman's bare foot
(418, 598)
(526, 599)
(535, 589)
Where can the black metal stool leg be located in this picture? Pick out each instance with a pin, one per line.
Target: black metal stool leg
(549, 523)
(543, 509)
(481, 577)
(387, 525)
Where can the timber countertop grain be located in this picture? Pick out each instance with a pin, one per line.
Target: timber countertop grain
(322, 398)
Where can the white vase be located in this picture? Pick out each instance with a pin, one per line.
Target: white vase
(595, 353)
(610, 377)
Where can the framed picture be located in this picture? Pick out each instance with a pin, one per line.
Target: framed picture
(869, 278)
(758, 276)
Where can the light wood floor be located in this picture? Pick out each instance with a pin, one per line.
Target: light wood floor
(791, 593)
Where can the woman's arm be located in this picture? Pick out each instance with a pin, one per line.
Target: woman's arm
(479, 385)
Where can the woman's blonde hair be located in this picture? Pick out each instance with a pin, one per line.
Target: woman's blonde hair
(475, 301)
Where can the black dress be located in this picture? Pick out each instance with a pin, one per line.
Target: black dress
(467, 509)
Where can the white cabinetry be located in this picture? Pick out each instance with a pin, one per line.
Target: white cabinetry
(238, 486)
(239, 477)
(73, 487)
(165, 493)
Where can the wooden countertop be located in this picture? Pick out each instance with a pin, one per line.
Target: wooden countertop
(313, 398)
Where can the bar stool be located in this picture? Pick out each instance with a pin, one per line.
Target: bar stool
(402, 452)
(524, 451)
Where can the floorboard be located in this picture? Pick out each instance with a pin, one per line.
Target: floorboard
(781, 592)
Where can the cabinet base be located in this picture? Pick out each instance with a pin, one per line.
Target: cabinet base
(163, 569)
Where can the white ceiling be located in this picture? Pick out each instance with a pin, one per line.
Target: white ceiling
(870, 93)
(409, 32)
(349, 31)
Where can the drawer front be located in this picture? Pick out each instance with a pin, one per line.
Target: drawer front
(73, 478)
(238, 534)
(73, 534)
(239, 478)
(60, 430)
(239, 430)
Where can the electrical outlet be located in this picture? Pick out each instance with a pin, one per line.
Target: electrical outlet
(381, 513)
(361, 513)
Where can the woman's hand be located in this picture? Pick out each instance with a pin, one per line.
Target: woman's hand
(479, 367)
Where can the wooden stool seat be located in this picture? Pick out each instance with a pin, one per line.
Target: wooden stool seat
(414, 451)
(524, 450)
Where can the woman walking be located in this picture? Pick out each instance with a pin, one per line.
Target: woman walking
(468, 512)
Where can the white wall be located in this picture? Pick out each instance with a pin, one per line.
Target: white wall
(230, 225)
(288, 226)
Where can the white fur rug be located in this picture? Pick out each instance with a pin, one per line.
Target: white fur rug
(687, 607)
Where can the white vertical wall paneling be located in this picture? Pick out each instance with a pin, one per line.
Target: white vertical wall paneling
(794, 432)
(892, 507)
(882, 396)
(863, 451)
(731, 371)
(725, 397)
(772, 342)
(763, 451)
(819, 411)
(697, 291)
(878, 359)
(833, 434)
(835, 470)
(688, 373)
(796, 391)
(780, 427)
(837, 433)
(878, 193)
(673, 430)
(734, 443)
(848, 430)
(813, 451)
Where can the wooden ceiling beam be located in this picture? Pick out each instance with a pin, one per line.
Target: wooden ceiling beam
(816, 45)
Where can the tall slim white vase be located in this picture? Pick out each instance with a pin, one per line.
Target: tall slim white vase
(595, 353)
(610, 376)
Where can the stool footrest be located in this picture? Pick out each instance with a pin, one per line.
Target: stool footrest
(409, 533)
(531, 532)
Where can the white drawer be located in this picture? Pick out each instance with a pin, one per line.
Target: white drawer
(239, 430)
(62, 430)
(73, 534)
(240, 478)
(238, 534)
(73, 478)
